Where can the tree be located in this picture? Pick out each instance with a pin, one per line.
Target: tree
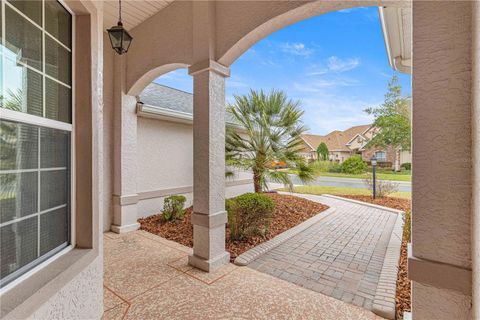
(392, 119)
(322, 151)
(270, 130)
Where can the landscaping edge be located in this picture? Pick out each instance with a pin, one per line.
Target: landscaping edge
(384, 302)
(252, 254)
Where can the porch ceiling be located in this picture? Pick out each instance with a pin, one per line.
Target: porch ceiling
(134, 12)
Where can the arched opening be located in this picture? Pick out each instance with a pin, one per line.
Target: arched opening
(331, 70)
(151, 75)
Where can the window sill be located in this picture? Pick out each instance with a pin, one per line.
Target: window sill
(26, 297)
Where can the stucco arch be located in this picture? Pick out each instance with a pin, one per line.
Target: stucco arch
(151, 75)
(269, 17)
(160, 44)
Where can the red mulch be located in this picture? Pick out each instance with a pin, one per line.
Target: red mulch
(395, 203)
(403, 298)
(289, 212)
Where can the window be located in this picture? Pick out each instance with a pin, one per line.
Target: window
(35, 134)
(381, 156)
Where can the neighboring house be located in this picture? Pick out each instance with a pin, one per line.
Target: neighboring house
(344, 144)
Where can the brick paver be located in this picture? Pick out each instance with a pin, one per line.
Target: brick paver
(341, 256)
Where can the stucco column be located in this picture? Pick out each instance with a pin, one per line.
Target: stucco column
(125, 196)
(440, 261)
(209, 215)
(476, 160)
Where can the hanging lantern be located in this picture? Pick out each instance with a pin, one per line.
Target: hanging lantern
(120, 39)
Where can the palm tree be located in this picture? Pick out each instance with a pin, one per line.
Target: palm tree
(268, 132)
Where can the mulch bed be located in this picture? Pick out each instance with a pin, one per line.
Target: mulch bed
(289, 212)
(394, 203)
(403, 298)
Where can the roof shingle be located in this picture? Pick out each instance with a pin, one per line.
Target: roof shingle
(335, 140)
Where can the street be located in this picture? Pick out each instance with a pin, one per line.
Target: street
(403, 186)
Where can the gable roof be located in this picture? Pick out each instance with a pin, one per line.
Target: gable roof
(335, 140)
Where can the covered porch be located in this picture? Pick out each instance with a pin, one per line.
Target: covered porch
(143, 276)
(148, 277)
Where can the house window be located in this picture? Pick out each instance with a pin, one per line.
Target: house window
(381, 156)
(36, 134)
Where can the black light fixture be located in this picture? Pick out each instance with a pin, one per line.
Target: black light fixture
(119, 37)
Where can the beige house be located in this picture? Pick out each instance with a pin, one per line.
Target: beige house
(344, 144)
(70, 156)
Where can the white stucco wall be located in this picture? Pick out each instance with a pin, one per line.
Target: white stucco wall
(108, 109)
(442, 190)
(165, 154)
(165, 161)
(79, 299)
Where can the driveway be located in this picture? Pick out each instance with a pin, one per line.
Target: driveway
(346, 183)
(340, 256)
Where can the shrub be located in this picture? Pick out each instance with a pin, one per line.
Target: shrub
(382, 187)
(406, 166)
(249, 214)
(354, 165)
(320, 166)
(335, 168)
(173, 207)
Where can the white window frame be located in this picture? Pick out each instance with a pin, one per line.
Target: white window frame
(383, 159)
(21, 117)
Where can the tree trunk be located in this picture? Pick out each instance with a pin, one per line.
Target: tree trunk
(256, 182)
(396, 160)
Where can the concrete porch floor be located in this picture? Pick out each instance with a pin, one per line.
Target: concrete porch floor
(147, 277)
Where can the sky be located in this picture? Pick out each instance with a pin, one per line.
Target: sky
(335, 64)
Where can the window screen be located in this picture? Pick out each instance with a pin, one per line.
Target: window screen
(35, 133)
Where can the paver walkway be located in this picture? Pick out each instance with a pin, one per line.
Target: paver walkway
(147, 277)
(340, 256)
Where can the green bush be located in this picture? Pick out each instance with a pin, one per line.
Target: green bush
(248, 215)
(354, 165)
(173, 207)
(335, 168)
(321, 166)
(406, 166)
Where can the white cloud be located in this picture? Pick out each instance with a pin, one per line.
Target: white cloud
(325, 113)
(296, 48)
(335, 64)
(319, 86)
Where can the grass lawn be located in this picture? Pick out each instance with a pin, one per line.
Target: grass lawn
(318, 190)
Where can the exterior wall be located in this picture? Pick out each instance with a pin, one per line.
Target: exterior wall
(340, 156)
(356, 143)
(432, 303)
(165, 165)
(476, 162)
(108, 111)
(368, 153)
(405, 157)
(165, 154)
(79, 299)
(442, 190)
